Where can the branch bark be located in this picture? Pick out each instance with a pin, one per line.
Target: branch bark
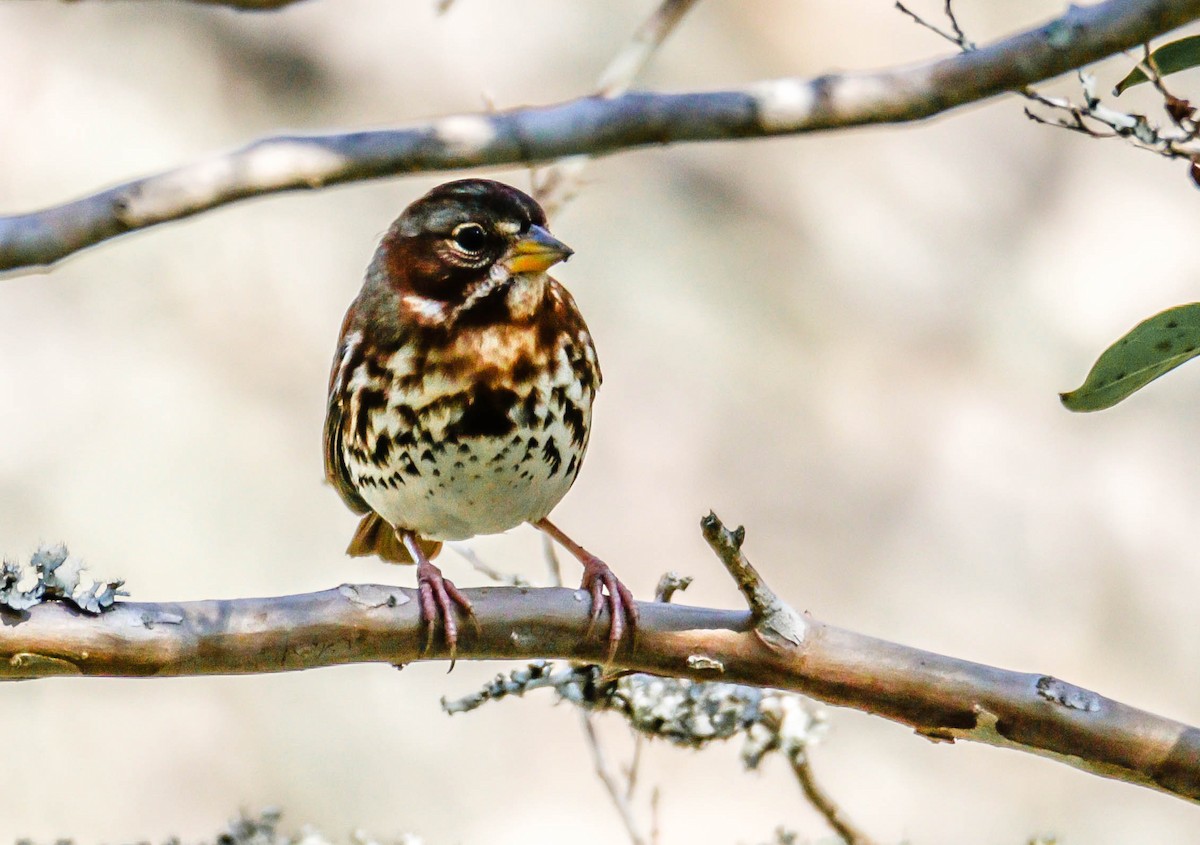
(247, 5)
(942, 698)
(592, 126)
(553, 187)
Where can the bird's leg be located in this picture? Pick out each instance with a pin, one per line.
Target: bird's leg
(437, 596)
(603, 586)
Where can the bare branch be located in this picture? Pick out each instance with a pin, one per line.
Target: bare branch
(1092, 118)
(247, 5)
(942, 698)
(776, 622)
(957, 36)
(556, 185)
(593, 126)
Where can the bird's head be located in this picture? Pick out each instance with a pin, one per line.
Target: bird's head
(470, 251)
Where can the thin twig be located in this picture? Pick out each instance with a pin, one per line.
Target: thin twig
(960, 35)
(958, 38)
(1149, 67)
(1096, 120)
(555, 185)
(775, 621)
(635, 765)
(655, 800)
(472, 557)
(1085, 118)
(553, 566)
(1180, 111)
(825, 805)
(1081, 118)
(615, 792)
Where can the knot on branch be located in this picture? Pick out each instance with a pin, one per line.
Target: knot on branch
(1067, 695)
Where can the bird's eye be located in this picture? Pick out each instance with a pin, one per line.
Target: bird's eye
(470, 237)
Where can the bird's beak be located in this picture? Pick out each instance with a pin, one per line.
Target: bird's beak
(535, 252)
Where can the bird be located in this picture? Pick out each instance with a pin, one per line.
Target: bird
(460, 396)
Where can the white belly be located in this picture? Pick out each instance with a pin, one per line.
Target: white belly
(482, 485)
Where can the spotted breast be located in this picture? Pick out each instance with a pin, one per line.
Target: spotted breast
(472, 433)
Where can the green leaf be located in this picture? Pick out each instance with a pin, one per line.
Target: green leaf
(1169, 58)
(1153, 347)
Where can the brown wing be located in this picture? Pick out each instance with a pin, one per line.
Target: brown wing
(348, 356)
(374, 535)
(587, 368)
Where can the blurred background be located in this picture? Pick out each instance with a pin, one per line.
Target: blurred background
(851, 342)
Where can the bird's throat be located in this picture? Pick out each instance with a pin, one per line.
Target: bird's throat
(503, 299)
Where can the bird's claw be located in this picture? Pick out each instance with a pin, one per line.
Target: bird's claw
(437, 597)
(606, 590)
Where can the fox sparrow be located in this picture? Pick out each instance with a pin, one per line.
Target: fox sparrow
(461, 392)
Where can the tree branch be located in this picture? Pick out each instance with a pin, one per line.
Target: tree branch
(942, 698)
(557, 184)
(247, 5)
(592, 126)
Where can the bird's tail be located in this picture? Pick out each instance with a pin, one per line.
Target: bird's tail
(376, 537)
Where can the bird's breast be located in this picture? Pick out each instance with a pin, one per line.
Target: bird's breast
(475, 434)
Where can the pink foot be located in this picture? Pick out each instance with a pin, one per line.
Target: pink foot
(607, 590)
(603, 586)
(437, 597)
